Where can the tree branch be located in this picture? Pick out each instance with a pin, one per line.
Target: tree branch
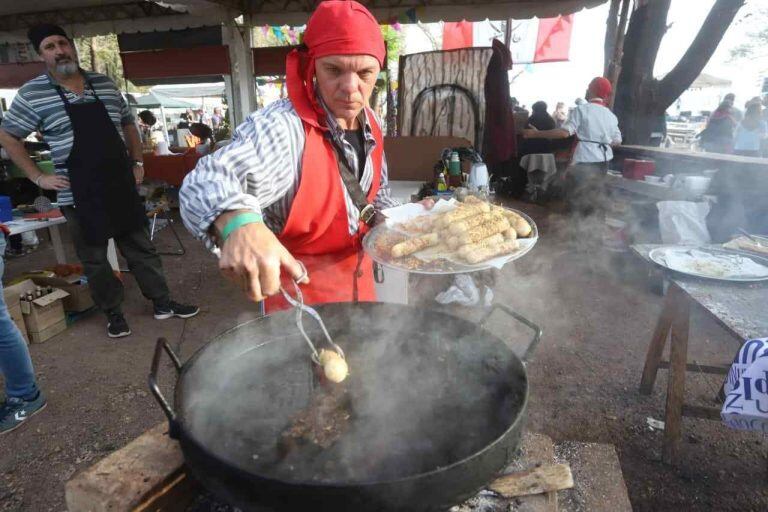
(698, 54)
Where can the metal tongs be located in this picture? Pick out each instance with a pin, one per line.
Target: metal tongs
(301, 308)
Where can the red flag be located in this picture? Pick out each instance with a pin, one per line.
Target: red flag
(554, 39)
(457, 35)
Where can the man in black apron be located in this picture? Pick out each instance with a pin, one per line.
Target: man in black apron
(97, 169)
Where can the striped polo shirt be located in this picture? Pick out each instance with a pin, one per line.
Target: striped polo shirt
(38, 107)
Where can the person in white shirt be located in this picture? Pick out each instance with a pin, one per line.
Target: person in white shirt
(597, 130)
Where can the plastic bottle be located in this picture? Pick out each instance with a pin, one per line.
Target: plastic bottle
(442, 186)
(454, 170)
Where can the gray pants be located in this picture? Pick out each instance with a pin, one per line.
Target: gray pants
(143, 261)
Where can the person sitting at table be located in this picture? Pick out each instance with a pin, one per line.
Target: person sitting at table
(560, 115)
(99, 162)
(204, 134)
(596, 129)
(183, 121)
(540, 118)
(148, 130)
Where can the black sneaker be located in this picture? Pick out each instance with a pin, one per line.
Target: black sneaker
(117, 326)
(168, 309)
(16, 411)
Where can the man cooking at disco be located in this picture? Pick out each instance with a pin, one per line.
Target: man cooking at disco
(302, 177)
(97, 152)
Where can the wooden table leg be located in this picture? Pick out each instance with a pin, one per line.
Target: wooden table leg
(676, 385)
(58, 247)
(658, 341)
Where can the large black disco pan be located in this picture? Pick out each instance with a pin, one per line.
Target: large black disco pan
(432, 411)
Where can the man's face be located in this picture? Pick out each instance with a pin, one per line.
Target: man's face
(59, 55)
(346, 82)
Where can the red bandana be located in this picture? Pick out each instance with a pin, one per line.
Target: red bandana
(337, 27)
(600, 90)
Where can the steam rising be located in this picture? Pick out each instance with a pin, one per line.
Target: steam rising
(425, 393)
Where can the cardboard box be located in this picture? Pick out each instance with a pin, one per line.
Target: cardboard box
(44, 316)
(414, 158)
(79, 293)
(11, 295)
(18, 319)
(49, 332)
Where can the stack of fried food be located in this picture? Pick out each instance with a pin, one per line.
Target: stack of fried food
(474, 232)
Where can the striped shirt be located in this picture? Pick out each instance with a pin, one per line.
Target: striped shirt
(38, 107)
(261, 170)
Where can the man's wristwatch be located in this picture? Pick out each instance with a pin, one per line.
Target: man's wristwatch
(138, 163)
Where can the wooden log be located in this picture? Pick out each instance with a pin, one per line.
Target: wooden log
(147, 474)
(546, 478)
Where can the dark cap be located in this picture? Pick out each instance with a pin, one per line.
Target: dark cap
(37, 33)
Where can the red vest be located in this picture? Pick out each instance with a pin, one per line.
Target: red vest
(317, 229)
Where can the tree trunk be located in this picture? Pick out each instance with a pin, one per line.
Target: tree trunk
(94, 58)
(635, 98)
(614, 68)
(641, 100)
(611, 29)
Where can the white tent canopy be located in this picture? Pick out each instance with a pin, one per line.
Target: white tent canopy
(191, 90)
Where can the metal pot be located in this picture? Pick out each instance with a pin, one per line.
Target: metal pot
(437, 409)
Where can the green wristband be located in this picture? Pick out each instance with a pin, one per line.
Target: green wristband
(238, 221)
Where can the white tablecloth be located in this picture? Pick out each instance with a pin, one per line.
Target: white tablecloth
(541, 169)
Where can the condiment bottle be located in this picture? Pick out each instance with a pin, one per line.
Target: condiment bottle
(442, 186)
(454, 170)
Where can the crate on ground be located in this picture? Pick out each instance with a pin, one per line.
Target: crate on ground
(43, 316)
(12, 295)
(76, 286)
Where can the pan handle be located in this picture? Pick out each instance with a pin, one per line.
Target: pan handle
(537, 332)
(162, 344)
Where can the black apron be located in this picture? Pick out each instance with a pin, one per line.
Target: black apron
(101, 174)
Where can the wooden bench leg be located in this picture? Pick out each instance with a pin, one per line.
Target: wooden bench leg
(658, 341)
(676, 384)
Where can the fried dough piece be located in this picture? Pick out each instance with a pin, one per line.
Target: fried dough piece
(414, 245)
(471, 222)
(521, 226)
(486, 242)
(497, 225)
(492, 251)
(462, 212)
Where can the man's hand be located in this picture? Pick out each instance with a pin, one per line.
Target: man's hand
(138, 173)
(530, 133)
(252, 258)
(53, 182)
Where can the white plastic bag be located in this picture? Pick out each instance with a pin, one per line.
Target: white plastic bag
(463, 291)
(29, 238)
(683, 222)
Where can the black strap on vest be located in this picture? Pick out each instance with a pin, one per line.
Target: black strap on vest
(352, 184)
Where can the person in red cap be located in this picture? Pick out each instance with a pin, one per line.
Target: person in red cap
(596, 129)
(303, 178)
(594, 125)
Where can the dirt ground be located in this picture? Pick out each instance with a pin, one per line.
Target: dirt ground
(597, 317)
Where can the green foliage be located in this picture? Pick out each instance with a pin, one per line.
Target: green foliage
(394, 41)
(753, 23)
(105, 51)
